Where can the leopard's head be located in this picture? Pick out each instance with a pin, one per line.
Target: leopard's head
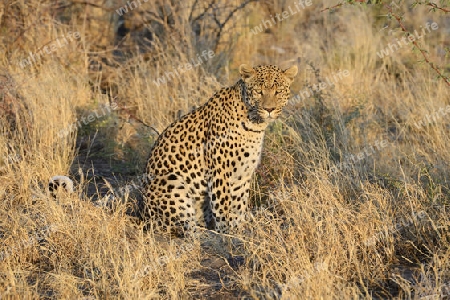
(266, 90)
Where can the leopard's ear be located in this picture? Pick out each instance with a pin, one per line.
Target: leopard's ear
(291, 72)
(246, 72)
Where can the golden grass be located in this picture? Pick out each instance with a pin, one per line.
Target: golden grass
(374, 228)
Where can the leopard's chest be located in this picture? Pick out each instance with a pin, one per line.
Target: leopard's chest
(247, 158)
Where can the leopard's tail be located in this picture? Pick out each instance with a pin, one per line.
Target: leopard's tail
(60, 181)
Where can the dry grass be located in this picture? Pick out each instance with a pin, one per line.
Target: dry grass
(322, 227)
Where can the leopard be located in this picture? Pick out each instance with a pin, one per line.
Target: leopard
(200, 168)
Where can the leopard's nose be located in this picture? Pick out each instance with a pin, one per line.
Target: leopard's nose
(269, 109)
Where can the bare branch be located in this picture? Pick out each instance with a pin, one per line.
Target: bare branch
(414, 42)
(333, 7)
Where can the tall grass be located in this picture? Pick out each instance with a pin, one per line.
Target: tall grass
(333, 215)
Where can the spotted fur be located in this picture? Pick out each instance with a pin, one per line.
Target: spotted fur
(199, 170)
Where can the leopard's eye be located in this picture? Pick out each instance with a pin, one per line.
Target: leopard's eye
(279, 91)
(257, 91)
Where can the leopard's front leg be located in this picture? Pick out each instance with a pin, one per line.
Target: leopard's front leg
(220, 198)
